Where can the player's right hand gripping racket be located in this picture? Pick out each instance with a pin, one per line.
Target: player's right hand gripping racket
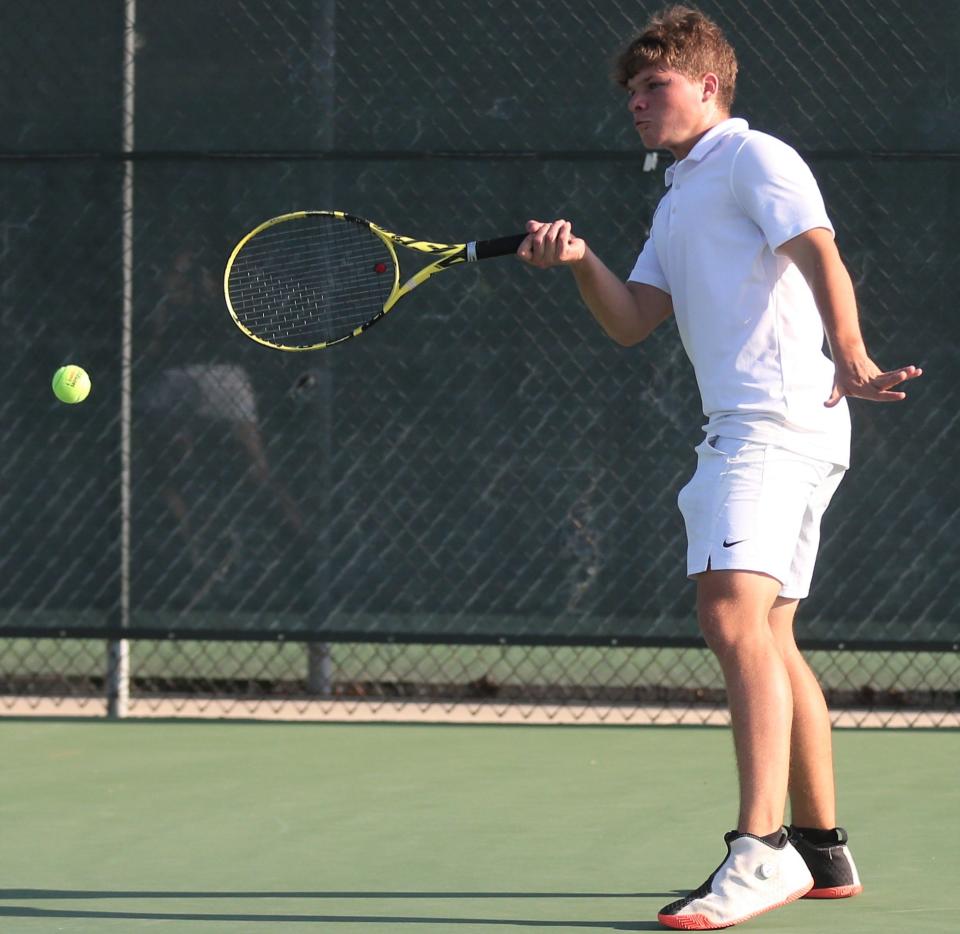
(311, 279)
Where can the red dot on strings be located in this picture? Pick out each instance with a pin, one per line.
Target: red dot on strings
(380, 267)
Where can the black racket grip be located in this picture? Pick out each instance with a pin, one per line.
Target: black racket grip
(502, 246)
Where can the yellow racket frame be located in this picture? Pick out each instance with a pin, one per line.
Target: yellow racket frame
(447, 254)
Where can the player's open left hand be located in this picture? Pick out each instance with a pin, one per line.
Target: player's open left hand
(551, 244)
(863, 379)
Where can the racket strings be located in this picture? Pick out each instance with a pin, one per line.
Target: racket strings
(310, 280)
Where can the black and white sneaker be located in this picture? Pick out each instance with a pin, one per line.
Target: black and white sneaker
(755, 877)
(828, 858)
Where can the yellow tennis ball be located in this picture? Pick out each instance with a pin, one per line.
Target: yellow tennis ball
(71, 384)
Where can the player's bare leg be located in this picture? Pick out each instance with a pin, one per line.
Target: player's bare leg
(733, 608)
(813, 833)
(762, 870)
(811, 783)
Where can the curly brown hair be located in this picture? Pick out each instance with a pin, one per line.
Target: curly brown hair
(685, 40)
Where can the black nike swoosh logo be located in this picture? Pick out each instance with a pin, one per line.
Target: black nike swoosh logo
(727, 544)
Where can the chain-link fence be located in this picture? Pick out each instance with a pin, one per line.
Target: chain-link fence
(475, 503)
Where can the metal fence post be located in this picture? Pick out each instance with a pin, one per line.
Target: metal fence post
(319, 668)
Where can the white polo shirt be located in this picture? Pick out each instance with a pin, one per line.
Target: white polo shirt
(746, 316)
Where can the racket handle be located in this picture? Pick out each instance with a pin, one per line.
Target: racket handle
(502, 246)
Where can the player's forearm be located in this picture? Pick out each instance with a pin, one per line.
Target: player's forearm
(837, 304)
(610, 301)
(815, 255)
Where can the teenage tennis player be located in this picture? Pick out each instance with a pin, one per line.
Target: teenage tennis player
(741, 253)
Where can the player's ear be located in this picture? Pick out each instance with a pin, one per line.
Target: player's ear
(711, 86)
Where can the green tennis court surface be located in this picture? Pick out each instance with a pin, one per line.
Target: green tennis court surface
(243, 827)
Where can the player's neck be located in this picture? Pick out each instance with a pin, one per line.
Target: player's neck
(682, 150)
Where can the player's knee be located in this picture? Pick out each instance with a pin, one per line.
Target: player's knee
(725, 626)
(785, 644)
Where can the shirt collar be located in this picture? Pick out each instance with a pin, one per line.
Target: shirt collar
(707, 142)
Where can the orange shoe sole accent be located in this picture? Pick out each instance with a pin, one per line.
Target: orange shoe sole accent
(702, 923)
(838, 891)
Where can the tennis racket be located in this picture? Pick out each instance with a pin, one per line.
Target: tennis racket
(311, 279)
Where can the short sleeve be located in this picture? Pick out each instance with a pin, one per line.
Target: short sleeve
(776, 190)
(648, 270)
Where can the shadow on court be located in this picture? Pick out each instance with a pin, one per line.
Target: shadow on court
(8, 911)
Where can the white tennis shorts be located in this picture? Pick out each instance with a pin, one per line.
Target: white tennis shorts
(757, 507)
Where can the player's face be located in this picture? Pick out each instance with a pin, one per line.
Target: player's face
(669, 110)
